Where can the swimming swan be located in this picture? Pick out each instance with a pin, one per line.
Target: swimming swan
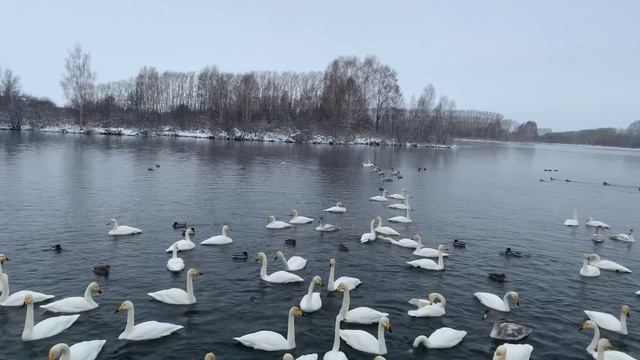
(371, 235)
(332, 285)
(272, 341)
(288, 356)
(175, 296)
(279, 277)
(428, 308)
(513, 352)
(17, 299)
(75, 304)
(219, 239)
(312, 302)
(609, 322)
(335, 353)
(506, 331)
(339, 208)
(607, 264)
(443, 338)
(587, 269)
(596, 223)
(406, 219)
(385, 230)
(45, 328)
(3, 258)
(299, 219)
(359, 315)
(425, 251)
(175, 263)
(604, 354)
(326, 227)
(623, 237)
(117, 230)
(365, 342)
(380, 198)
(402, 206)
(146, 330)
(494, 302)
(429, 264)
(407, 243)
(401, 196)
(574, 220)
(184, 244)
(272, 223)
(86, 350)
(293, 264)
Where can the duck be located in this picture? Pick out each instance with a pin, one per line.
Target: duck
(86, 350)
(380, 198)
(429, 264)
(332, 285)
(17, 298)
(272, 223)
(442, 338)
(184, 244)
(175, 263)
(400, 196)
(118, 230)
(242, 256)
(57, 248)
(573, 222)
(175, 296)
(407, 243)
(299, 219)
(179, 225)
(339, 208)
(406, 219)
(45, 328)
(587, 269)
(335, 353)
(401, 206)
(385, 230)
(290, 242)
(513, 352)
(76, 304)
(511, 252)
(371, 235)
(457, 243)
(312, 302)
(607, 264)
(623, 237)
(499, 277)
(278, 277)
(326, 227)
(596, 223)
(222, 239)
(596, 236)
(506, 331)
(272, 341)
(365, 342)
(147, 330)
(294, 263)
(101, 269)
(424, 251)
(359, 315)
(428, 307)
(609, 322)
(604, 354)
(494, 302)
(343, 247)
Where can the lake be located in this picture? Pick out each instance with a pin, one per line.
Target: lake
(62, 188)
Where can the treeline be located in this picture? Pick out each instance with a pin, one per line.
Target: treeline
(629, 137)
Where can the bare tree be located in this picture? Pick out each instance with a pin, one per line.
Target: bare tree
(78, 82)
(12, 100)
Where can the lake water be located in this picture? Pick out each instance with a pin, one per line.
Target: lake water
(61, 189)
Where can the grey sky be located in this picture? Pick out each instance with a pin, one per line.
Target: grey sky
(565, 64)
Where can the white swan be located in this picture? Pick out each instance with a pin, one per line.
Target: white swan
(359, 315)
(219, 239)
(45, 328)
(75, 304)
(494, 302)
(429, 307)
(407, 243)
(17, 298)
(587, 269)
(385, 230)
(406, 219)
(506, 331)
(145, 330)
(210, 356)
(339, 208)
(332, 285)
(513, 352)
(293, 264)
(402, 206)
(272, 223)
(443, 338)
(312, 302)
(3, 258)
(324, 227)
(607, 264)
(425, 251)
(596, 223)
(365, 342)
(604, 354)
(272, 341)
(380, 198)
(184, 244)
(624, 237)
(279, 277)
(593, 345)
(299, 219)
(175, 263)
(288, 356)
(609, 322)
(175, 296)
(86, 350)
(117, 230)
(401, 196)
(368, 164)
(574, 220)
(335, 353)
(429, 264)
(371, 235)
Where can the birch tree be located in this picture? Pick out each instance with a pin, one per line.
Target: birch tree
(78, 82)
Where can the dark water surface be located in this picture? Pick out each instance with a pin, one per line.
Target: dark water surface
(61, 189)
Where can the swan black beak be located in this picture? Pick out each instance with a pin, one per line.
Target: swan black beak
(99, 291)
(117, 310)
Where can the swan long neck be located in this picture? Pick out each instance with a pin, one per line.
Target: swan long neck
(407, 210)
(441, 298)
(419, 241)
(114, 224)
(421, 340)
(330, 282)
(174, 250)
(585, 264)
(65, 352)
(4, 279)
(596, 337)
(382, 344)
(291, 331)
(623, 322)
(310, 292)
(224, 231)
(494, 330)
(371, 230)
(284, 260)
(346, 302)
(130, 319)
(190, 287)
(186, 236)
(87, 295)
(263, 269)
(440, 259)
(28, 321)
(505, 299)
(336, 336)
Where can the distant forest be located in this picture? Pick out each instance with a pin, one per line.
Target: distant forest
(351, 97)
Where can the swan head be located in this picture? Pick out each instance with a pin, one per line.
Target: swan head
(190, 231)
(112, 221)
(416, 237)
(294, 212)
(225, 227)
(27, 300)
(386, 323)
(516, 297)
(604, 344)
(626, 310)
(57, 350)
(127, 305)
(3, 258)
(342, 287)
(501, 353)
(210, 356)
(295, 311)
(288, 356)
(379, 220)
(332, 262)
(433, 297)
(279, 255)
(588, 325)
(261, 256)
(317, 280)
(94, 286)
(194, 272)
(271, 219)
(339, 204)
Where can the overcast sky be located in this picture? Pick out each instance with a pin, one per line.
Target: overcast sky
(565, 64)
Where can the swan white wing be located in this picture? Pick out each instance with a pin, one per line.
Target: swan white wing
(17, 298)
(614, 355)
(183, 245)
(172, 296)
(398, 206)
(264, 340)
(397, 196)
(283, 277)
(386, 230)
(278, 225)
(623, 237)
(400, 219)
(428, 252)
(335, 209)
(351, 282)
(364, 315)
(424, 264)
(419, 302)
(610, 265)
(518, 351)
(571, 222)
(604, 320)
(176, 264)
(298, 220)
(360, 340)
(589, 271)
(408, 243)
(124, 230)
(378, 198)
(334, 355)
(217, 240)
(308, 357)
(150, 330)
(316, 303)
(490, 300)
(445, 338)
(428, 311)
(52, 326)
(86, 350)
(366, 237)
(296, 263)
(70, 305)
